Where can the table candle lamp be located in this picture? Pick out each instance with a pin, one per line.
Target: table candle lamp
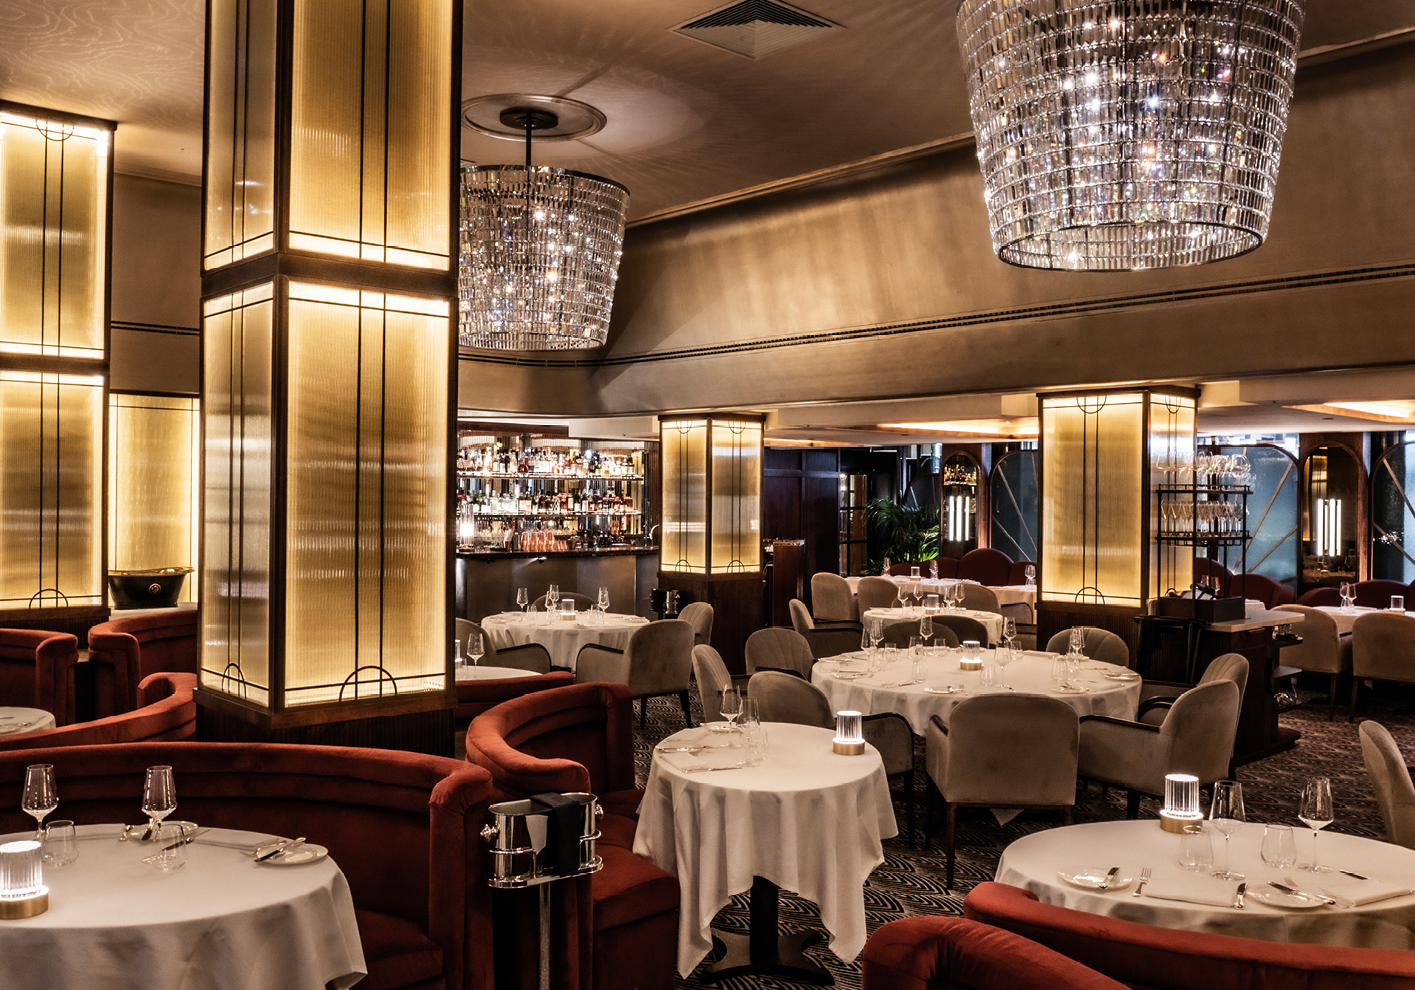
(849, 736)
(22, 890)
(972, 656)
(931, 603)
(1181, 802)
(914, 573)
(567, 611)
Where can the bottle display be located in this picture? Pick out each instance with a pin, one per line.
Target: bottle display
(548, 495)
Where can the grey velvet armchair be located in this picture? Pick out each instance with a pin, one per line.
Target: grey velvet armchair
(1382, 649)
(1001, 751)
(979, 598)
(527, 656)
(1323, 650)
(1195, 737)
(712, 678)
(1390, 779)
(583, 603)
(776, 648)
(1101, 644)
(964, 627)
(875, 592)
(699, 616)
(825, 642)
(832, 599)
(658, 661)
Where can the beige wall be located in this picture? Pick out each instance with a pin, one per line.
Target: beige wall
(808, 295)
(156, 285)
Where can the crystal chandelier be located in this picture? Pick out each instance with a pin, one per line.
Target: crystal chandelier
(539, 251)
(1131, 133)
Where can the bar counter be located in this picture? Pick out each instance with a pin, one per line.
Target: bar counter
(487, 580)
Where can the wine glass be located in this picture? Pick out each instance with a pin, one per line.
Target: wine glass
(917, 594)
(475, 648)
(552, 598)
(731, 704)
(1009, 631)
(1077, 643)
(1226, 813)
(1346, 596)
(522, 599)
(926, 630)
(875, 630)
(41, 797)
(1030, 573)
(159, 795)
(1316, 813)
(603, 599)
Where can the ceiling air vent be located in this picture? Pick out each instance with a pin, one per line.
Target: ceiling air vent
(756, 27)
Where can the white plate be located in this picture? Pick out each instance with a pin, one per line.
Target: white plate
(1091, 878)
(945, 690)
(1122, 675)
(719, 726)
(1277, 899)
(307, 853)
(1073, 689)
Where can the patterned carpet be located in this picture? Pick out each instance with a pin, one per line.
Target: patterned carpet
(911, 880)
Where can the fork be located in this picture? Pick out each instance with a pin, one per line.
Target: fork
(1144, 879)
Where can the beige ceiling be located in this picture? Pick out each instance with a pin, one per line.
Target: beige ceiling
(686, 121)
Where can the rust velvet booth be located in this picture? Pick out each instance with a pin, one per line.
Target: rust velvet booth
(127, 649)
(166, 713)
(37, 671)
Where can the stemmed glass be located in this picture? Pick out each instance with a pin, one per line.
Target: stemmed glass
(1226, 813)
(875, 630)
(552, 599)
(41, 797)
(1316, 813)
(731, 704)
(1009, 631)
(475, 648)
(603, 600)
(1002, 658)
(1346, 596)
(1077, 641)
(159, 795)
(917, 594)
(926, 630)
(1030, 573)
(522, 599)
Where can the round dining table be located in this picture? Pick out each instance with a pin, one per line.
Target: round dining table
(220, 921)
(805, 819)
(16, 720)
(1098, 689)
(1189, 901)
(477, 672)
(562, 638)
(991, 621)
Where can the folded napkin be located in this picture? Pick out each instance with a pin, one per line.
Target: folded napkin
(707, 760)
(686, 739)
(1360, 892)
(1196, 890)
(1039, 655)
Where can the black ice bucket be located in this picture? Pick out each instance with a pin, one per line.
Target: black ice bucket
(153, 587)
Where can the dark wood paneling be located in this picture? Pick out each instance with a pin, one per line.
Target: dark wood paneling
(736, 601)
(820, 460)
(820, 523)
(801, 501)
(1053, 617)
(781, 507)
(416, 732)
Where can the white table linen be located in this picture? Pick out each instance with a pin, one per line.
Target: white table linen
(221, 921)
(805, 819)
(1032, 864)
(467, 673)
(1345, 620)
(1007, 594)
(16, 720)
(562, 639)
(992, 621)
(886, 692)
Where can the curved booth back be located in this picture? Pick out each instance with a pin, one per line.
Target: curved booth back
(127, 649)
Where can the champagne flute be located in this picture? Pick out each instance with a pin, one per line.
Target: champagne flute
(876, 633)
(926, 630)
(731, 704)
(159, 795)
(552, 598)
(1316, 813)
(523, 599)
(475, 648)
(917, 593)
(1226, 813)
(40, 797)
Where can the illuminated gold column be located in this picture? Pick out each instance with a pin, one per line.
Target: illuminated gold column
(1103, 456)
(328, 368)
(55, 183)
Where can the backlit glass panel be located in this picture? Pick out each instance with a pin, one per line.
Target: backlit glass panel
(736, 496)
(684, 452)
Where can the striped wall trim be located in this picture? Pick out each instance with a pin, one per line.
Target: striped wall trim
(1039, 312)
(155, 328)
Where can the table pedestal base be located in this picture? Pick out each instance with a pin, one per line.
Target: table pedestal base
(763, 951)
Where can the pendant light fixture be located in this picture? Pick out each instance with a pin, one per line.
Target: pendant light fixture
(1127, 134)
(539, 250)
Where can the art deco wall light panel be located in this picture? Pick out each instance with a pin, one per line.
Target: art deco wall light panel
(55, 183)
(712, 485)
(329, 354)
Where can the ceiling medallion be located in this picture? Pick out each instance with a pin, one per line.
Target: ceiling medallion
(539, 250)
(1128, 134)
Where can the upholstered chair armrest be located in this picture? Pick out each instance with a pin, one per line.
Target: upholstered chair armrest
(785, 670)
(528, 656)
(1124, 724)
(936, 747)
(834, 624)
(889, 733)
(1150, 706)
(1114, 750)
(600, 663)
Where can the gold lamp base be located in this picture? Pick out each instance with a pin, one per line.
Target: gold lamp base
(1177, 823)
(15, 908)
(848, 748)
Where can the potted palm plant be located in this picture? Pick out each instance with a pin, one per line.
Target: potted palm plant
(910, 530)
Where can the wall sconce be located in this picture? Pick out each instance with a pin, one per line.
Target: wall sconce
(972, 655)
(849, 734)
(1326, 518)
(1181, 802)
(22, 890)
(960, 520)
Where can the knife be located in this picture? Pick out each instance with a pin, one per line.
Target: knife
(1356, 875)
(1297, 893)
(1238, 895)
(1109, 878)
(186, 839)
(282, 847)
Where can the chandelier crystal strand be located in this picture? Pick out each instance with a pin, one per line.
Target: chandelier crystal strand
(1125, 135)
(539, 257)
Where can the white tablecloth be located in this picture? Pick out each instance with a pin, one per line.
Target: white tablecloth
(991, 621)
(1032, 863)
(465, 673)
(1007, 594)
(1029, 675)
(17, 720)
(563, 639)
(1346, 620)
(220, 922)
(806, 819)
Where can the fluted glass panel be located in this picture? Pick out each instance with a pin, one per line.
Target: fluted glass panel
(1093, 499)
(51, 429)
(684, 452)
(366, 495)
(240, 154)
(53, 237)
(1172, 442)
(154, 495)
(539, 257)
(236, 508)
(1124, 134)
(369, 137)
(736, 496)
